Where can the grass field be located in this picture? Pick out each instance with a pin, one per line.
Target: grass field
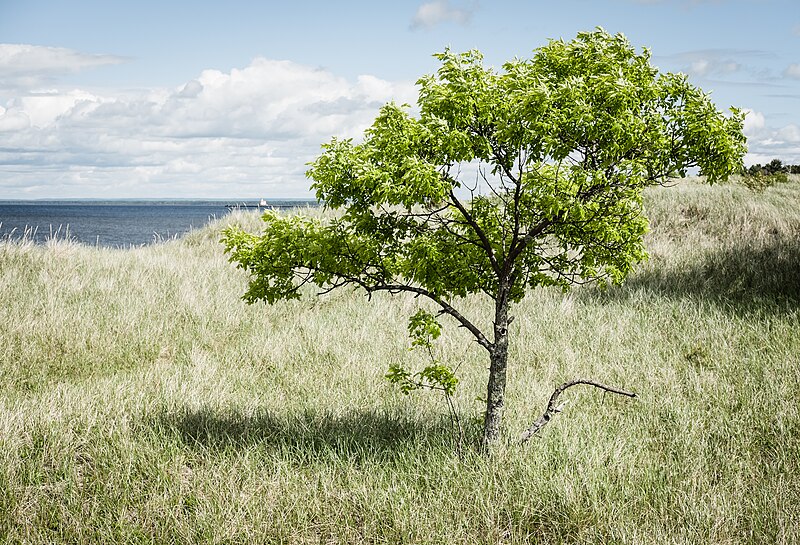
(143, 402)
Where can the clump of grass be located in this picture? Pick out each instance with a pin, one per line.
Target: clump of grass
(143, 402)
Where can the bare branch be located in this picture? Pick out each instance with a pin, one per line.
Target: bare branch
(485, 244)
(553, 409)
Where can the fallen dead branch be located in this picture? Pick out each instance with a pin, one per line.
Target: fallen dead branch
(553, 409)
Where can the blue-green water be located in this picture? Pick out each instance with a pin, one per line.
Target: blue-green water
(115, 223)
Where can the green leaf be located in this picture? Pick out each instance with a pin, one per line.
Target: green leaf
(423, 329)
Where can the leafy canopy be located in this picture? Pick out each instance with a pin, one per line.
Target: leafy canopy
(504, 180)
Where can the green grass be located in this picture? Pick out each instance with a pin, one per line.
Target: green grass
(143, 402)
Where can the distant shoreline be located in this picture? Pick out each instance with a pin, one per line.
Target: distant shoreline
(121, 222)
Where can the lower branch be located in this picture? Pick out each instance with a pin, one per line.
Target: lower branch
(446, 308)
(553, 409)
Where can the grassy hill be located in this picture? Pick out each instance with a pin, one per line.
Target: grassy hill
(143, 402)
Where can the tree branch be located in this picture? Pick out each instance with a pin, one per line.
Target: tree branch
(396, 288)
(553, 409)
(532, 233)
(486, 245)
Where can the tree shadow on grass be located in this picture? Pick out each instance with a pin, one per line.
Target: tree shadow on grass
(306, 436)
(742, 278)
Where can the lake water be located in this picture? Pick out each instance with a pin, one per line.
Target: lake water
(115, 223)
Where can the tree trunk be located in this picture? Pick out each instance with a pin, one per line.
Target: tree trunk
(496, 389)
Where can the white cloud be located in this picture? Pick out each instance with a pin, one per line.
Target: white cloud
(23, 65)
(706, 67)
(436, 12)
(719, 62)
(792, 71)
(13, 119)
(790, 134)
(754, 122)
(246, 132)
(684, 3)
(45, 107)
(765, 142)
(709, 62)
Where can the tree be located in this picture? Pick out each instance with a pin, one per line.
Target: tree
(505, 181)
(776, 165)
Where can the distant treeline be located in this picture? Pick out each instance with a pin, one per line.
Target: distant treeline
(759, 177)
(775, 166)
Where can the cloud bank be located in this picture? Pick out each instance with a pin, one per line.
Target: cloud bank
(243, 133)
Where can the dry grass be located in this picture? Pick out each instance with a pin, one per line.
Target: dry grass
(143, 402)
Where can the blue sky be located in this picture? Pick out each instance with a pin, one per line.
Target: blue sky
(148, 99)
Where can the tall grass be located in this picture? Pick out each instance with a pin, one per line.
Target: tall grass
(143, 402)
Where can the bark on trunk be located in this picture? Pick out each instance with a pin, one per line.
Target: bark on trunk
(496, 389)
